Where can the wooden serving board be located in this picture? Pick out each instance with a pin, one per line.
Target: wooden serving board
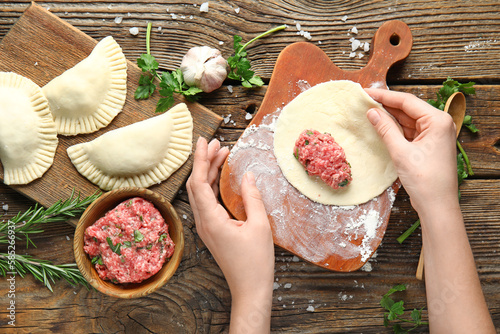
(336, 238)
(40, 46)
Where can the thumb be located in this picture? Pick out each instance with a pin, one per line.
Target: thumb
(252, 200)
(387, 129)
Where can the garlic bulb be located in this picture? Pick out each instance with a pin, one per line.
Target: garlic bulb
(204, 67)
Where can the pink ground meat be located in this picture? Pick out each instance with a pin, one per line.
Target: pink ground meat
(322, 156)
(130, 243)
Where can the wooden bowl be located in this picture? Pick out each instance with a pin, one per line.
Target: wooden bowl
(97, 210)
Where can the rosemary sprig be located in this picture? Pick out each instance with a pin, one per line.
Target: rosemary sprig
(29, 222)
(43, 270)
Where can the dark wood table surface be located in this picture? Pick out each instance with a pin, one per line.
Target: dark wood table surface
(460, 39)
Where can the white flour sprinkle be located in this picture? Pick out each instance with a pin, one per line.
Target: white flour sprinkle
(310, 308)
(5, 207)
(134, 31)
(118, 19)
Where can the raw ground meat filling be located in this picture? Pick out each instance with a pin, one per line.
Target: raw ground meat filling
(322, 156)
(130, 243)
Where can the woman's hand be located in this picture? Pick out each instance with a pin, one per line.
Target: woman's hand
(424, 153)
(425, 159)
(244, 250)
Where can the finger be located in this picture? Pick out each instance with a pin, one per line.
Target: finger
(387, 129)
(215, 165)
(199, 189)
(252, 200)
(200, 163)
(408, 103)
(403, 119)
(213, 149)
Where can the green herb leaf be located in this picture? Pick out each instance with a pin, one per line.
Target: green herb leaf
(344, 183)
(239, 64)
(164, 104)
(396, 288)
(127, 244)
(114, 248)
(97, 259)
(138, 237)
(146, 87)
(468, 123)
(162, 237)
(396, 312)
(147, 63)
(416, 315)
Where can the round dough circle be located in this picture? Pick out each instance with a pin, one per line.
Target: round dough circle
(339, 108)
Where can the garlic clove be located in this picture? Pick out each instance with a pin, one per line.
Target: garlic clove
(204, 67)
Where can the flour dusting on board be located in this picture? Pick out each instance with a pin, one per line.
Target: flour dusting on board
(310, 227)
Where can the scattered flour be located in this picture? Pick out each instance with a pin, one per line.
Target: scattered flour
(310, 308)
(478, 45)
(5, 207)
(118, 19)
(134, 31)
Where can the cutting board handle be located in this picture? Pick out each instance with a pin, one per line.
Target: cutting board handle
(391, 44)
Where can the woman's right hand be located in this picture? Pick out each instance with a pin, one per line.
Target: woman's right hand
(424, 153)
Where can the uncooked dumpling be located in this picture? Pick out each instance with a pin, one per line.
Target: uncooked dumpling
(139, 154)
(88, 96)
(338, 108)
(28, 136)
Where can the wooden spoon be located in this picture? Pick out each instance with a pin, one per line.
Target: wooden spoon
(455, 106)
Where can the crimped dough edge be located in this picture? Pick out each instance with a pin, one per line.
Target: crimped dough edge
(43, 158)
(113, 101)
(178, 151)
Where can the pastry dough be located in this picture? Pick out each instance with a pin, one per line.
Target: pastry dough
(28, 136)
(139, 154)
(89, 95)
(338, 108)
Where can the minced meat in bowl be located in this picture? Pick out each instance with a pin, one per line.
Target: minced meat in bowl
(129, 242)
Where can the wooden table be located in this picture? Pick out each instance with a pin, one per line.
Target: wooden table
(460, 39)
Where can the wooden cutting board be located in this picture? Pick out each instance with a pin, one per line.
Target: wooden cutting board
(336, 238)
(40, 46)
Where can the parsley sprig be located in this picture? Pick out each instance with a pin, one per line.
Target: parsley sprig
(396, 311)
(464, 167)
(170, 82)
(240, 65)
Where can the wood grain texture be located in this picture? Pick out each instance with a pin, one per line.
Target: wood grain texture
(197, 299)
(55, 46)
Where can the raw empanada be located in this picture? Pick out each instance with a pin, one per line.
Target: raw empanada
(89, 95)
(139, 154)
(28, 136)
